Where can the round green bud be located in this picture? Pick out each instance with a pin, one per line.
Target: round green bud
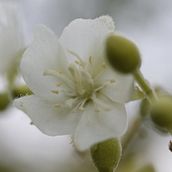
(122, 54)
(106, 155)
(161, 113)
(4, 100)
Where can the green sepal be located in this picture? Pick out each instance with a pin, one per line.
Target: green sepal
(20, 91)
(106, 155)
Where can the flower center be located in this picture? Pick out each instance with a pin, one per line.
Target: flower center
(78, 83)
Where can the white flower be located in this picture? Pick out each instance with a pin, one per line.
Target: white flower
(75, 91)
(11, 37)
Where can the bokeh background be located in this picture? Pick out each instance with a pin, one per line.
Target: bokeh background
(23, 148)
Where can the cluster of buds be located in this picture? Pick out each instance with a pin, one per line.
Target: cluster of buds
(123, 56)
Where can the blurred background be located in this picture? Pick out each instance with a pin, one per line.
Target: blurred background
(23, 148)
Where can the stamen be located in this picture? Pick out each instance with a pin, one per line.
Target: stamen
(77, 56)
(76, 108)
(76, 77)
(55, 91)
(100, 70)
(104, 85)
(81, 107)
(69, 93)
(51, 72)
(87, 77)
(71, 102)
(60, 76)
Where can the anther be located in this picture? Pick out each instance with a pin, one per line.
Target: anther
(55, 91)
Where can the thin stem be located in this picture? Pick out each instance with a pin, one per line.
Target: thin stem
(151, 96)
(149, 92)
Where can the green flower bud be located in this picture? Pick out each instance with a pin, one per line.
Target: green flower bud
(161, 113)
(106, 155)
(122, 54)
(4, 100)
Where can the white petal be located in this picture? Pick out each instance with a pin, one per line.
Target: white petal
(98, 126)
(83, 36)
(11, 34)
(50, 120)
(45, 53)
(119, 91)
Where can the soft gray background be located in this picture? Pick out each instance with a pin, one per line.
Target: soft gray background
(148, 23)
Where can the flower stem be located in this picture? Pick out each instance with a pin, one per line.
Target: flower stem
(151, 96)
(149, 92)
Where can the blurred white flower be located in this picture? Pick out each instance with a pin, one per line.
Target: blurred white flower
(11, 35)
(75, 91)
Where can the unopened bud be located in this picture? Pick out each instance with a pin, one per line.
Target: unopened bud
(161, 113)
(4, 100)
(122, 54)
(106, 155)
